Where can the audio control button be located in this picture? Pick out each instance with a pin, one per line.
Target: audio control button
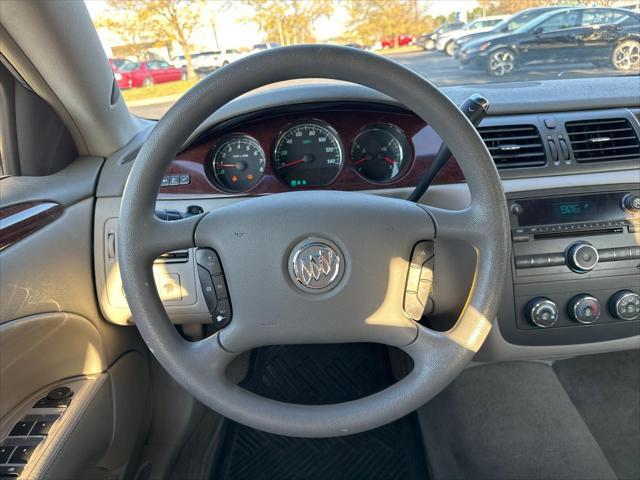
(631, 203)
(625, 305)
(542, 312)
(584, 309)
(582, 257)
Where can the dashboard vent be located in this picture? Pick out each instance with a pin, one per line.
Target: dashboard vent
(602, 140)
(513, 146)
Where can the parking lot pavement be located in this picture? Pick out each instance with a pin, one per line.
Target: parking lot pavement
(444, 70)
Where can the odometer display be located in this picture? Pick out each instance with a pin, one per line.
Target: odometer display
(308, 154)
(237, 163)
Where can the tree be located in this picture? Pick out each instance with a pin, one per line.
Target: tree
(288, 22)
(375, 20)
(505, 7)
(141, 22)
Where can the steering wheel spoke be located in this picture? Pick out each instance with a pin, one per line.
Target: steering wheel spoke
(467, 224)
(164, 236)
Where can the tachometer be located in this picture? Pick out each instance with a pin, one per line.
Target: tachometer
(308, 154)
(381, 153)
(237, 163)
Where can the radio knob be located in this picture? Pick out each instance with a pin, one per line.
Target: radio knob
(582, 257)
(584, 308)
(542, 312)
(625, 305)
(631, 203)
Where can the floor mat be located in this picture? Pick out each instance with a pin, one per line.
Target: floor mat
(319, 374)
(606, 391)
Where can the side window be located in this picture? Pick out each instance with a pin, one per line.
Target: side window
(560, 21)
(597, 17)
(521, 20)
(163, 65)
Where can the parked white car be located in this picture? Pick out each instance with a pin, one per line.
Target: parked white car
(447, 42)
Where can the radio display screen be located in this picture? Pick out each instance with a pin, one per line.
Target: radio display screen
(571, 209)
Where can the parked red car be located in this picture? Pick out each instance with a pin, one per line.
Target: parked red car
(403, 41)
(144, 74)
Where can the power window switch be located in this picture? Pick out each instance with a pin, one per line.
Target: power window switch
(10, 472)
(21, 429)
(21, 455)
(5, 453)
(42, 427)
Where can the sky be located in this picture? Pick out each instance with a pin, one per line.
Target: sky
(233, 32)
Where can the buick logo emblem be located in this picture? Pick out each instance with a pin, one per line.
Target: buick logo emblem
(316, 265)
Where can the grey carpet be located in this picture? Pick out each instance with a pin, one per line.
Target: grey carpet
(509, 421)
(606, 391)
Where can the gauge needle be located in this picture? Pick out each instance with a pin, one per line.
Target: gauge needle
(305, 159)
(389, 160)
(363, 159)
(239, 165)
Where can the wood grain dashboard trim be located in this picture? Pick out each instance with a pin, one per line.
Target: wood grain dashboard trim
(21, 220)
(348, 122)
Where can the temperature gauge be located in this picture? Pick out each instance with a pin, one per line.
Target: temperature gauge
(237, 163)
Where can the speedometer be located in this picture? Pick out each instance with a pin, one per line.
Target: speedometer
(308, 154)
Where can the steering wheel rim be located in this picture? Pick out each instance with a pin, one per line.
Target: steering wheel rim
(200, 366)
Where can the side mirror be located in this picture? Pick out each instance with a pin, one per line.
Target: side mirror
(538, 30)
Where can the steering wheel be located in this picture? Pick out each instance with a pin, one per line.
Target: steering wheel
(366, 239)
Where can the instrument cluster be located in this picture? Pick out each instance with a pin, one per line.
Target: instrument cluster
(309, 153)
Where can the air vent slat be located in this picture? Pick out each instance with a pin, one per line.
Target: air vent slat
(514, 146)
(603, 140)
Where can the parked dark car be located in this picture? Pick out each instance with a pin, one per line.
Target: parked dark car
(428, 40)
(145, 74)
(506, 26)
(602, 36)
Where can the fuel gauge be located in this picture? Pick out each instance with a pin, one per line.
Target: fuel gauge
(381, 153)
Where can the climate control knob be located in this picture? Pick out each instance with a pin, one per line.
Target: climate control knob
(631, 203)
(542, 312)
(625, 305)
(582, 257)
(584, 308)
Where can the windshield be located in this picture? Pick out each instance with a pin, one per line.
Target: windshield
(590, 39)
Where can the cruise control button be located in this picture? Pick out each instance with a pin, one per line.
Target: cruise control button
(424, 289)
(208, 291)
(208, 259)
(422, 252)
(220, 287)
(412, 306)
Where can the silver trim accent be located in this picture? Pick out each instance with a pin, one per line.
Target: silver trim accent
(531, 312)
(581, 298)
(574, 249)
(600, 139)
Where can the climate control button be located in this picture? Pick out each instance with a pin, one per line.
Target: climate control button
(582, 257)
(625, 305)
(542, 312)
(584, 309)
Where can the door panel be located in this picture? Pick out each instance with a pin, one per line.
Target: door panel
(52, 333)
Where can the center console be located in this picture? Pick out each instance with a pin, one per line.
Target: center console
(575, 266)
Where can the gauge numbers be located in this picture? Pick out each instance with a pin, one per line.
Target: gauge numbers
(237, 163)
(380, 153)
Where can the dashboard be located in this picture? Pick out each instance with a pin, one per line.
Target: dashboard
(570, 171)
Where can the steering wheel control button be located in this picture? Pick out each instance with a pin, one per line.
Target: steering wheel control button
(316, 265)
(584, 309)
(207, 258)
(220, 287)
(582, 257)
(625, 305)
(21, 429)
(542, 312)
(208, 291)
(419, 280)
